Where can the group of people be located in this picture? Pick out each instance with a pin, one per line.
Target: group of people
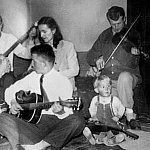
(55, 60)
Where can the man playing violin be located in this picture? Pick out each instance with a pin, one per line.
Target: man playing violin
(123, 65)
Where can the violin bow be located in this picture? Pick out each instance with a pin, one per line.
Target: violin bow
(122, 39)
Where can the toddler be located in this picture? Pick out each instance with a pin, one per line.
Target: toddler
(106, 109)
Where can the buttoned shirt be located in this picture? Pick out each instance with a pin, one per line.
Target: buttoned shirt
(54, 84)
(120, 61)
(6, 41)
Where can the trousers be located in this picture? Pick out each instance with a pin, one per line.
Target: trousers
(57, 132)
(123, 88)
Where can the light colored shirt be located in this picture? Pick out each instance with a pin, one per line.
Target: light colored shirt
(117, 107)
(66, 61)
(6, 41)
(54, 84)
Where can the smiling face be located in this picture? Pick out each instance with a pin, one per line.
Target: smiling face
(46, 33)
(104, 87)
(118, 25)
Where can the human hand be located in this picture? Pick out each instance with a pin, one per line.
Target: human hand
(15, 107)
(116, 119)
(100, 63)
(93, 119)
(57, 108)
(96, 72)
(135, 51)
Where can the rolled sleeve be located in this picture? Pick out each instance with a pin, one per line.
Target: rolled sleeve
(118, 107)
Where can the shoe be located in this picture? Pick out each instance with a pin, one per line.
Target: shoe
(89, 136)
(134, 124)
(100, 138)
(116, 139)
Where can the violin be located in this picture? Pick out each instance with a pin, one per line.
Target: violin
(132, 39)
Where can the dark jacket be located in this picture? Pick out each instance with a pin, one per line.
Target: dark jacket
(122, 59)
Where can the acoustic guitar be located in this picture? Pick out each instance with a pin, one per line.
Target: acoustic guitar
(4, 62)
(97, 126)
(33, 104)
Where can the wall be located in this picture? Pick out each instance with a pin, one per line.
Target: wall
(81, 21)
(15, 16)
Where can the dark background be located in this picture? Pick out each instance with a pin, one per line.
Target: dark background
(142, 7)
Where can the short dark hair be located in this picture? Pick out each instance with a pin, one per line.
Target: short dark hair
(52, 24)
(45, 51)
(115, 12)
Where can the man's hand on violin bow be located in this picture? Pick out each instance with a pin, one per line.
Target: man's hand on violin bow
(100, 63)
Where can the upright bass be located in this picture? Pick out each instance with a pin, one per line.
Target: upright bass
(5, 66)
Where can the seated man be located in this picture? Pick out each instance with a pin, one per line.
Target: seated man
(119, 62)
(57, 125)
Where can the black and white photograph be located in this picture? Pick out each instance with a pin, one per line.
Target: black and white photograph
(74, 75)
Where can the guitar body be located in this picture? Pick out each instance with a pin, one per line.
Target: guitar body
(34, 115)
(20, 65)
(33, 104)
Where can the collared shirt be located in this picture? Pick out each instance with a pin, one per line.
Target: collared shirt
(121, 59)
(117, 107)
(6, 41)
(54, 84)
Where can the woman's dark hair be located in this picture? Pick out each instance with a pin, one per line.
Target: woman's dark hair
(115, 12)
(45, 51)
(51, 23)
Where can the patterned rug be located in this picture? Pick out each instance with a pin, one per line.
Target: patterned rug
(77, 144)
(141, 144)
(82, 144)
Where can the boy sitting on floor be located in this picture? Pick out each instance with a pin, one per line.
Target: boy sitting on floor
(106, 109)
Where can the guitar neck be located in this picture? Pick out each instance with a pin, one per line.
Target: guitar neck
(128, 133)
(20, 40)
(39, 105)
(12, 47)
(111, 127)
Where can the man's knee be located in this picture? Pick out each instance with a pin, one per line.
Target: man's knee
(125, 77)
(6, 119)
(77, 121)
